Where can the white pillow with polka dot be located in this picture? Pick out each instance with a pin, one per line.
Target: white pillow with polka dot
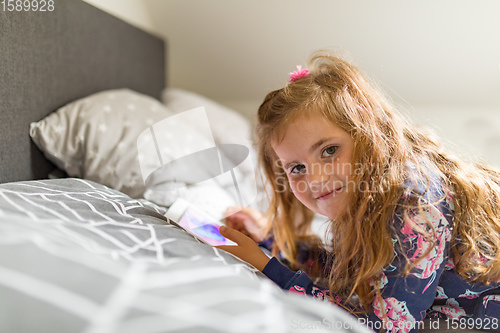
(96, 137)
(228, 126)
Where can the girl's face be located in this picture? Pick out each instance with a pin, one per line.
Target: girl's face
(316, 156)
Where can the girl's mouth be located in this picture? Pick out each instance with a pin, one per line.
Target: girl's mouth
(329, 194)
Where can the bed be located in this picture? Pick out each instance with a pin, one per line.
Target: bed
(84, 244)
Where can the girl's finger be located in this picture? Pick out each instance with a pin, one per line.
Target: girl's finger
(235, 224)
(230, 222)
(232, 234)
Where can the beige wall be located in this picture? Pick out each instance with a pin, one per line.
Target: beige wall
(423, 52)
(134, 12)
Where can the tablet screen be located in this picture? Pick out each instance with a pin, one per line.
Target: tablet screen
(202, 227)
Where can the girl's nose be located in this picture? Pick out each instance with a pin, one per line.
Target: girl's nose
(317, 177)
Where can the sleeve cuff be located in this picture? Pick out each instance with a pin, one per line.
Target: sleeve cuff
(279, 273)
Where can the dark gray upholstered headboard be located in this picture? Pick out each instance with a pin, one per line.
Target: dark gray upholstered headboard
(48, 59)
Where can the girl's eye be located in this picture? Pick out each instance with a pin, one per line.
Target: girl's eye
(299, 168)
(329, 151)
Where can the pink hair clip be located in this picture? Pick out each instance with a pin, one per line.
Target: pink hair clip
(298, 73)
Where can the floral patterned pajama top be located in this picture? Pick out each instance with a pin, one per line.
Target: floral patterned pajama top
(433, 289)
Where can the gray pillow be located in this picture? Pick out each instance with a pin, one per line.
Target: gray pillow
(96, 137)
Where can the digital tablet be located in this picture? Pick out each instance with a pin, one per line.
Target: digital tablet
(194, 221)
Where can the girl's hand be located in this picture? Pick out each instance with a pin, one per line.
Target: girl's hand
(248, 221)
(246, 249)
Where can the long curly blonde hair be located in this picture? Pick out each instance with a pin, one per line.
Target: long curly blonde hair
(361, 243)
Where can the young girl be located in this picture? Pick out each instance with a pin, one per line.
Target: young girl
(413, 231)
